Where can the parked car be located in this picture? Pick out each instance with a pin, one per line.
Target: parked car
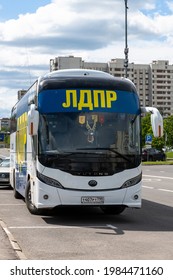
(5, 171)
(152, 154)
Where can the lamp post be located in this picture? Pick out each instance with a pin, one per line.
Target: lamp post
(126, 50)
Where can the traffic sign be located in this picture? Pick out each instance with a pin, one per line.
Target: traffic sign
(2, 136)
(148, 139)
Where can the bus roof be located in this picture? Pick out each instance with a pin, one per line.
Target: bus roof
(80, 75)
(77, 72)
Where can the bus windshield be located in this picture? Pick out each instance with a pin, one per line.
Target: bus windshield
(89, 143)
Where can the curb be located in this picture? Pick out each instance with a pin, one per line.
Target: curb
(13, 242)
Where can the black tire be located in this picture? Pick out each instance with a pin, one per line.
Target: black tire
(17, 195)
(163, 158)
(32, 209)
(113, 210)
(150, 158)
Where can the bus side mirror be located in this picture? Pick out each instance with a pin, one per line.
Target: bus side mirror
(33, 120)
(156, 120)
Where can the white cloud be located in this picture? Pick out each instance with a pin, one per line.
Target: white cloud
(149, 6)
(170, 5)
(7, 97)
(139, 21)
(91, 29)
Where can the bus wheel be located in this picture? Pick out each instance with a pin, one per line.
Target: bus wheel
(114, 210)
(16, 194)
(32, 209)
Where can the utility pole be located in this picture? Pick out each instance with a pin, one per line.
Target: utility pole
(126, 50)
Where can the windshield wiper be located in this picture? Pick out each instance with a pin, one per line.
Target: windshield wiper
(64, 154)
(108, 149)
(60, 153)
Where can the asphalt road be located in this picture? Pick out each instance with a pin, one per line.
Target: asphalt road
(88, 234)
(158, 184)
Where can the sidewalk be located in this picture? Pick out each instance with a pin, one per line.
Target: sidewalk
(9, 249)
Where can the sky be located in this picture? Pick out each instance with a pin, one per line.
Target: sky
(35, 31)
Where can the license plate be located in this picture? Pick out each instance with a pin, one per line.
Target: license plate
(92, 199)
(4, 180)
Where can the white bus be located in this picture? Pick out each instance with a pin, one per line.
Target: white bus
(76, 141)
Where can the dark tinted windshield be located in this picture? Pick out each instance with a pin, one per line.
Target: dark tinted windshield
(84, 143)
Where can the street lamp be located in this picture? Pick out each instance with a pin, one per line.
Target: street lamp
(126, 50)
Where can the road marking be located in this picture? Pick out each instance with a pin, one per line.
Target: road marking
(6, 204)
(150, 179)
(162, 177)
(112, 227)
(4, 191)
(101, 227)
(56, 227)
(62, 227)
(43, 227)
(165, 190)
(148, 187)
(152, 188)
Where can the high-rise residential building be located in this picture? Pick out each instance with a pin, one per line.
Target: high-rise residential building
(139, 74)
(21, 93)
(162, 86)
(65, 62)
(101, 66)
(5, 123)
(154, 82)
(72, 62)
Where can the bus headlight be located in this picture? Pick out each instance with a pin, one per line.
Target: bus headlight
(131, 182)
(48, 181)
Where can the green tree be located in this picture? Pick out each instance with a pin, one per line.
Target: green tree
(168, 130)
(4, 129)
(146, 127)
(158, 142)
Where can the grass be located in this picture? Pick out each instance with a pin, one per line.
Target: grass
(169, 155)
(167, 162)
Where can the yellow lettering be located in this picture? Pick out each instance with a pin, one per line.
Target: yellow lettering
(21, 137)
(85, 100)
(110, 97)
(71, 95)
(99, 95)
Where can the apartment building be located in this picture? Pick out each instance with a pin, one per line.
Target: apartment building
(154, 82)
(21, 93)
(139, 74)
(63, 62)
(162, 86)
(72, 62)
(4, 123)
